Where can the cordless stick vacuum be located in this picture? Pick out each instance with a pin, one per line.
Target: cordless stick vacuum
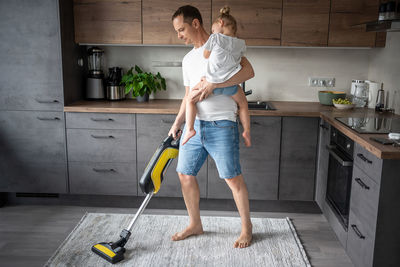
(150, 184)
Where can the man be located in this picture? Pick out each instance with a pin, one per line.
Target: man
(216, 127)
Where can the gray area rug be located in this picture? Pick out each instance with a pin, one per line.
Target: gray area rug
(275, 242)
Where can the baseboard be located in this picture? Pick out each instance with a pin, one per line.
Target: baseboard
(160, 202)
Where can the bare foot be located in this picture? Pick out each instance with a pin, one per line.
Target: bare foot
(247, 138)
(244, 239)
(190, 230)
(188, 134)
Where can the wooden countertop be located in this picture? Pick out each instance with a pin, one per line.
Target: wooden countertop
(283, 108)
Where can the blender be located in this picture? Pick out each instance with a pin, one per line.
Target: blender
(95, 79)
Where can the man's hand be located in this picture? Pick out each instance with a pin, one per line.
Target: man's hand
(206, 88)
(175, 131)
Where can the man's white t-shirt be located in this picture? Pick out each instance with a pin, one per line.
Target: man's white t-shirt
(226, 54)
(214, 107)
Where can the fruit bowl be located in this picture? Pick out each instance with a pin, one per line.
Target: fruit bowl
(344, 106)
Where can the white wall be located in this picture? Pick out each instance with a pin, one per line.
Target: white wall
(385, 67)
(281, 73)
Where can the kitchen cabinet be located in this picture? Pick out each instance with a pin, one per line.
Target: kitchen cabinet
(157, 20)
(32, 155)
(305, 23)
(152, 129)
(258, 22)
(259, 163)
(298, 158)
(322, 164)
(34, 42)
(344, 16)
(30, 56)
(101, 153)
(108, 21)
(373, 234)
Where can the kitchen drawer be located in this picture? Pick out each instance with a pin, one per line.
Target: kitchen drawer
(100, 120)
(364, 198)
(101, 145)
(33, 136)
(360, 243)
(367, 162)
(103, 178)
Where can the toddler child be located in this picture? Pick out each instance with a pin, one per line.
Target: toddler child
(224, 52)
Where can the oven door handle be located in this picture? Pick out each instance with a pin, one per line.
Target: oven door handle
(333, 153)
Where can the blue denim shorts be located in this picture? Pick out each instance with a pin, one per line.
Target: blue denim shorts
(220, 140)
(230, 90)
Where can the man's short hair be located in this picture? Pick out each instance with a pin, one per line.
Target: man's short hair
(189, 13)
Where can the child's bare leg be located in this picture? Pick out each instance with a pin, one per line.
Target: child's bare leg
(190, 115)
(244, 115)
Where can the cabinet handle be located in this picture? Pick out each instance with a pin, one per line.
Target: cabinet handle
(358, 233)
(100, 119)
(361, 156)
(255, 123)
(47, 101)
(167, 121)
(323, 127)
(48, 119)
(103, 170)
(102, 136)
(362, 184)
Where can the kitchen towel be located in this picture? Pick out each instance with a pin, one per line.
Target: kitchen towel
(275, 242)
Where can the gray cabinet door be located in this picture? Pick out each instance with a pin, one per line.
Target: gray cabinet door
(360, 242)
(298, 158)
(30, 56)
(259, 163)
(102, 178)
(322, 164)
(152, 129)
(99, 121)
(87, 145)
(32, 154)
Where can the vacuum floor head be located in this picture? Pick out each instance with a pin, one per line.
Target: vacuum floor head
(107, 252)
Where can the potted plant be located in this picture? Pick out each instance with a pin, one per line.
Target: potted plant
(142, 84)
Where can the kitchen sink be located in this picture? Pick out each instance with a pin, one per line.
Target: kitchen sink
(261, 105)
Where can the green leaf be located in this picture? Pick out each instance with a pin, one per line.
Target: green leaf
(138, 70)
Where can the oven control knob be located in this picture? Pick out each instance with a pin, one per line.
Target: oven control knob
(348, 146)
(334, 134)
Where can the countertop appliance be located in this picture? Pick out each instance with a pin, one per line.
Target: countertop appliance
(115, 91)
(340, 171)
(372, 125)
(95, 79)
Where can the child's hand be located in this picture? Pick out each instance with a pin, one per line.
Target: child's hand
(247, 138)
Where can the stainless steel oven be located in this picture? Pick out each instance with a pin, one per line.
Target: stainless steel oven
(339, 175)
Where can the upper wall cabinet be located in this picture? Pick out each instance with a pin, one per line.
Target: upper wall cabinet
(259, 21)
(345, 15)
(108, 21)
(305, 22)
(157, 20)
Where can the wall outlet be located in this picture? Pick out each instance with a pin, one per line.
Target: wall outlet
(321, 82)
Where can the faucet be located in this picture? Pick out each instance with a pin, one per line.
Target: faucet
(244, 89)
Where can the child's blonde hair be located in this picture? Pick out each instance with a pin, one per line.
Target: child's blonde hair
(228, 19)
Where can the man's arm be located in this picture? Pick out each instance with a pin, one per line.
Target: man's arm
(244, 74)
(180, 117)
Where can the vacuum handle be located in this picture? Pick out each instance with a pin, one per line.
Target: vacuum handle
(171, 142)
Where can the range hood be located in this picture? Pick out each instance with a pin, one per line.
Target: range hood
(392, 25)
